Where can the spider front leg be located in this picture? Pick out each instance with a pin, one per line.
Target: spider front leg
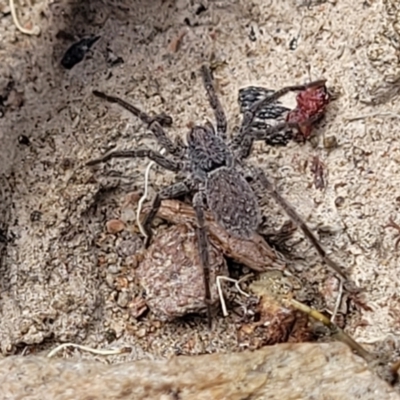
(171, 165)
(155, 123)
(173, 191)
(278, 134)
(214, 101)
(242, 145)
(291, 212)
(198, 205)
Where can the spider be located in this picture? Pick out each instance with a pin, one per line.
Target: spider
(214, 171)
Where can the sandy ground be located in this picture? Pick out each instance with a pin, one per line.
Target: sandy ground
(53, 289)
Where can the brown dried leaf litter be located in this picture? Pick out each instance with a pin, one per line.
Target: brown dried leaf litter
(255, 253)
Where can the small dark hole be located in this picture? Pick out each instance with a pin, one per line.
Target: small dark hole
(257, 317)
(22, 139)
(201, 9)
(35, 216)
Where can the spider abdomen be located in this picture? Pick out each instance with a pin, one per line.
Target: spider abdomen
(232, 202)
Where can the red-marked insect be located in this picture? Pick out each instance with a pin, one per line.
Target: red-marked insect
(310, 108)
(311, 104)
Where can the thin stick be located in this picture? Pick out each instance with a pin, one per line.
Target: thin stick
(102, 352)
(237, 283)
(376, 114)
(338, 301)
(34, 31)
(336, 332)
(221, 294)
(144, 197)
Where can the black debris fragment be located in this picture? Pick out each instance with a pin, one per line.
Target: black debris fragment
(3, 236)
(76, 53)
(23, 139)
(112, 59)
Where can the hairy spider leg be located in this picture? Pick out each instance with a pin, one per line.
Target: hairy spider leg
(214, 102)
(271, 134)
(170, 192)
(291, 212)
(173, 191)
(203, 245)
(155, 123)
(158, 158)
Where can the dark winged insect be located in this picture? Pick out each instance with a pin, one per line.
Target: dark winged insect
(76, 52)
(214, 171)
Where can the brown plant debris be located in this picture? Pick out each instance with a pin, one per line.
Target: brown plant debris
(254, 253)
(172, 275)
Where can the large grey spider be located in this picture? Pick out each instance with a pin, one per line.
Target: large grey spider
(215, 172)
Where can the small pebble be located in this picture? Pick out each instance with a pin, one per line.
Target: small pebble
(339, 201)
(110, 281)
(128, 215)
(111, 259)
(15, 100)
(129, 247)
(141, 332)
(121, 282)
(123, 299)
(137, 307)
(330, 142)
(132, 198)
(114, 226)
(113, 269)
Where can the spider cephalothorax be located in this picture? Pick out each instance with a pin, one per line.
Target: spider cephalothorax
(214, 170)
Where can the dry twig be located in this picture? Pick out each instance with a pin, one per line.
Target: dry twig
(102, 352)
(254, 253)
(34, 31)
(221, 294)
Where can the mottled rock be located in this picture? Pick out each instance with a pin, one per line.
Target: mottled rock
(172, 275)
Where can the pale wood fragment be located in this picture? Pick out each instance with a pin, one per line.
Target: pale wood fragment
(285, 372)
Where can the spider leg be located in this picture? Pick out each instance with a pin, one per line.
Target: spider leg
(159, 159)
(291, 212)
(274, 134)
(214, 101)
(155, 123)
(279, 133)
(198, 205)
(173, 191)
